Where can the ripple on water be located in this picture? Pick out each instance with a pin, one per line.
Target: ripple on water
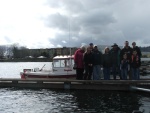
(61, 101)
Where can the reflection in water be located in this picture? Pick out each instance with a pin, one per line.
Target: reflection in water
(109, 102)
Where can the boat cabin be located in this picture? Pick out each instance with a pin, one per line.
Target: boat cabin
(63, 62)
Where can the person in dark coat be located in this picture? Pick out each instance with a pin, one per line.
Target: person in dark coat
(134, 47)
(137, 49)
(88, 64)
(97, 62)
(115, 54)
(135, 64)
(78, 59)
(128, 51)
(107, 63)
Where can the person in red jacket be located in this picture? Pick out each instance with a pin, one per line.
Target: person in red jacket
(78, 59)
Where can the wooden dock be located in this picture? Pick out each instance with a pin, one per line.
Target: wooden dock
(118, 85)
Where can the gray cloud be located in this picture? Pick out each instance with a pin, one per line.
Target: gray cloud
(57, 21)
(100, 21)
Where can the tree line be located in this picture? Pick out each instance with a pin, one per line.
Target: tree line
(17, 51)
(145, 49)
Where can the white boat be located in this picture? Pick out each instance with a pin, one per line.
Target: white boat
(62, 67)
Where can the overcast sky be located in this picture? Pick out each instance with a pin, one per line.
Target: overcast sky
(58, 23)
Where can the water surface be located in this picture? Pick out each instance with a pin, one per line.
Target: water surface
(14, 100)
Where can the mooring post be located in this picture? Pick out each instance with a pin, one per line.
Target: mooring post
(67, 85)
(39, 82)
(15, 81)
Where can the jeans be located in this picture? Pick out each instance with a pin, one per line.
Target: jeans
(124, 73)
(96, 72)
(88, 72)
(106, 72)
(135, 74)
(115, 71)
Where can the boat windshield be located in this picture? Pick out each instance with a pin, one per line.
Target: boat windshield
(63, 62)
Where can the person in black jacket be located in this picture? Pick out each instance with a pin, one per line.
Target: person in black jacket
(88, 64)
(135, 64)
(137, 49)
(107, 63)
(128, 51)
(115, 54)
(97, 57)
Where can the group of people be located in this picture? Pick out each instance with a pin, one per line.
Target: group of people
(91, 62)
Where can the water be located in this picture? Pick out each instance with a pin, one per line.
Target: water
(14, 100)
(61, 101)
(145, 59)
(12, 69)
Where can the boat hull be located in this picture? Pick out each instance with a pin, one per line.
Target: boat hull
(46, 76)
(62, 67)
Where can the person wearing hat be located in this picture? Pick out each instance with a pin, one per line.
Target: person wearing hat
(91, 46)
(115, 55)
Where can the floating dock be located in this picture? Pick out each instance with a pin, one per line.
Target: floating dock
(118, 85)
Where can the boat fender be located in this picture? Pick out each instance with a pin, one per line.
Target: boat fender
(54, 70)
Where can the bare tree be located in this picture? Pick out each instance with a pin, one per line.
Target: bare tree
(9, 51)
(2, 51)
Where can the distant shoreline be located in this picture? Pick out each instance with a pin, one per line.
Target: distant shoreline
(42, 60)
(27, 60)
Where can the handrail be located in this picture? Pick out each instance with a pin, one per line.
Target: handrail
(140, 89)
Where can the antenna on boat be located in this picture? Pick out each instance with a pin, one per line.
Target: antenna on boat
(42, 67)
(69, 38)
(70, 63)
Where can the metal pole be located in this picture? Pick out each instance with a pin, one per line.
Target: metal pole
(140, 89)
